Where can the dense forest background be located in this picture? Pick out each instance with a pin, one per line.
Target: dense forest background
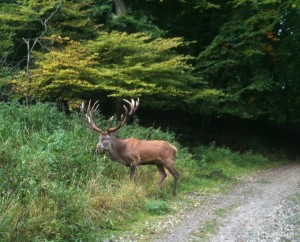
(217, 64)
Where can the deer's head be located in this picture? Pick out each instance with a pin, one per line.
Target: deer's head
(106, 137)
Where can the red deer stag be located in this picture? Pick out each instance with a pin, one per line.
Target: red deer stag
(132, 152)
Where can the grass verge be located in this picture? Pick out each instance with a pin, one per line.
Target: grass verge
(54, 187)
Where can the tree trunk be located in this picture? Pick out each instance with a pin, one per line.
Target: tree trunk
(28, 73)
(120, 7)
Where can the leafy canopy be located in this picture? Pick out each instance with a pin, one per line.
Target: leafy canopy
(246, 61)
(114, 64)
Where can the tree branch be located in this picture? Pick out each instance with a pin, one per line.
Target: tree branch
(30, 48)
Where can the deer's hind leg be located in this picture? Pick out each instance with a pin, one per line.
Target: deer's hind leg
(162, 173)
(176, 176)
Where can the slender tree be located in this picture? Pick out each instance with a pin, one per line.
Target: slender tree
(31, 44)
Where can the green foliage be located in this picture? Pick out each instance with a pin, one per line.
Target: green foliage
(117, 64)
(21, 20)
(6, 74)
(136, 22)
(247, 65)
(157, 208)
(41, 173)
(180, 18)
(77, 19)
(62, 74)
(221, 163)
(243, 58)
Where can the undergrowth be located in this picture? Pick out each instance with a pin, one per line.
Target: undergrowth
(55, 186)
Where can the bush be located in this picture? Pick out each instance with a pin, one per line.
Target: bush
(222, 163)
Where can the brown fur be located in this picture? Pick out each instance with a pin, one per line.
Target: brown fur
(133, 152)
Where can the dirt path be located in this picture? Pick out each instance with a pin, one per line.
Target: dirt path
(265, 207)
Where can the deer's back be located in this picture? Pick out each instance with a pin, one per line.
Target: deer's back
(150, 150)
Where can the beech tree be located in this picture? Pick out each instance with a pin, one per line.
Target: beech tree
(117, 65)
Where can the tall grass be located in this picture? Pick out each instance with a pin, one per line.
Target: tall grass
(222, 163)
(54, 186)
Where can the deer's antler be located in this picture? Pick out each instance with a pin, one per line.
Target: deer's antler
(89, 115)
(133, 105)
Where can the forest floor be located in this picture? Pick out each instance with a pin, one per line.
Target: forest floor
(263, 207)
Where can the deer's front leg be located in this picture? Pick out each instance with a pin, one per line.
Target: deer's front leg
(132, 170)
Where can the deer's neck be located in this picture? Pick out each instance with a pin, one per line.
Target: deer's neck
(116, 149)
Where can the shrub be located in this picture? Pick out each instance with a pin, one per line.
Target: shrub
(222, 163)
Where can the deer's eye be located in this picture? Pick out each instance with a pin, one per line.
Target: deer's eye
(103, 139)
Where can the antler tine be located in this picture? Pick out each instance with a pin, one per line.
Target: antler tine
(89, 115)
(82, 107)
(89, 106)
(110, 122)
(133, 107)
(124, 117)
(136, 104)
(93, 108)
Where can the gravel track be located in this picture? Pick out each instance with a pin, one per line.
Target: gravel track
(265, 207)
